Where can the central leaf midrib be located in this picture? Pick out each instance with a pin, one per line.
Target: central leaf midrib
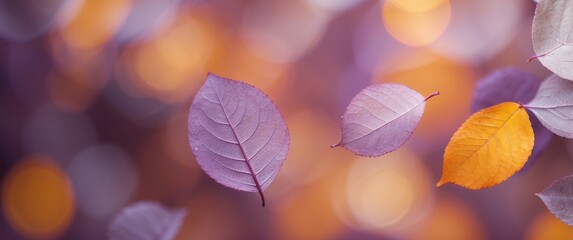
(247, 160)
(388, 122)
(487, 142)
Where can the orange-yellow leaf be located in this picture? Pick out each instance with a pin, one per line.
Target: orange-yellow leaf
(489, 147)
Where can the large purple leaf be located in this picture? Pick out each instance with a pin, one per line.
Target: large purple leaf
(553, 105)
(381, 118)
(552, 36)
(512, 85)
(146, 221)
(237, 134)
(558, 198)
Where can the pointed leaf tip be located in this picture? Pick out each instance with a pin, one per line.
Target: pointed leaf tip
(238, 136)
(377, 111)
(557, 198)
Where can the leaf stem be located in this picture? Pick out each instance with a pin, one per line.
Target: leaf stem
(432, 95)
(546, 53)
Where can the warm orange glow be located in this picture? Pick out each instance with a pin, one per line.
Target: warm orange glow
(416, 28)
(94, 63)
(416, 5)
(171, 66)
(388, 193)
(176, 142)
(377, 207)
(95, 23)
(308, 213)
(215, 215)
(37, 198)
(282, 31)
(308, 153)
(427, 72)
(547, 226)
(236, 61)
(450, 219)
(71, 93)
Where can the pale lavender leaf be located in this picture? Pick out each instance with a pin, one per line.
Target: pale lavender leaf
(558, 198)
(552, 36)
(237, 134)
(381, 118)
(553, 105)
(512, 85)
(146, 221)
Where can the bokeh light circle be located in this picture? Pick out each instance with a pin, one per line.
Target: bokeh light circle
(416, 28)
(104, 178)
(389, 193)
(37, 198)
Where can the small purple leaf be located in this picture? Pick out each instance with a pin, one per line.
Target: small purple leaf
(381, 118)
(512, 85)
(146, 221)
(558, 199)
(237, 134)
(504, 85)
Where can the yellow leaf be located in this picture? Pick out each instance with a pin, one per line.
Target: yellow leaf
(489, 147)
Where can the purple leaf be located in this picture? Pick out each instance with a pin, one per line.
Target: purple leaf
(146, 221)
(552, 36)
(381, 118)
(553, 105)
(512, 85)
(558, 199)
(505, 85)
(237, 134)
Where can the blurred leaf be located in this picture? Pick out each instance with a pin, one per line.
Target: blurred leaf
(493, 89)
(25, 19)
(237, 134)
(552, 38)
(381, 118)
(553, 105)
(489, 147)
(146, 221)
(557, 197)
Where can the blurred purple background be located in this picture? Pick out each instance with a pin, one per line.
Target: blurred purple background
(94, 98)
